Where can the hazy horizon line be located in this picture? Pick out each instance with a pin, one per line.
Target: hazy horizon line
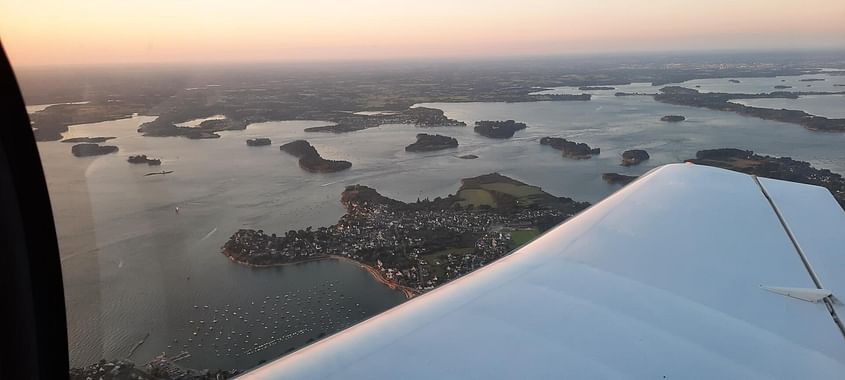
(483, 58)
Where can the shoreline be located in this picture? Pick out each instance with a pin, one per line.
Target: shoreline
(375, 273)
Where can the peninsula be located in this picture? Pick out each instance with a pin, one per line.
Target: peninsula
(427, 143)
(570, 149)
(310, 160)
(416, 246)
(722, 102)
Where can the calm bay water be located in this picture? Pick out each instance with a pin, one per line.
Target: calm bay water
(133, 266)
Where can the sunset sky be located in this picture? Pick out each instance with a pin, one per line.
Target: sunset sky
(39, 32)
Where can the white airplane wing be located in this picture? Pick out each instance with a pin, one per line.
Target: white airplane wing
(690, 272)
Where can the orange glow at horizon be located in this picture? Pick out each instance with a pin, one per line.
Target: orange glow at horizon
(41, 32)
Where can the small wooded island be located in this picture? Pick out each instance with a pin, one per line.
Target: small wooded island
(261, 141)
(498, 129)
(570, 149)
(618, 179)
(634, 157)
(310, 160)
(672, 118)
(85, 150)
(143, 159)
(427, 143)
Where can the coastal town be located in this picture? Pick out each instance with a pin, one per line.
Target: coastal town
(414, 247)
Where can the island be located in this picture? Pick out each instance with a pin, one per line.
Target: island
(722, 102)
(634, 157)
(163, 172)
(93, 140)
(261, 141)
(618, 179)
(673, 118)
(143, 159)
(551, 98)
(207, 129)
(427, 143)
(310, 160)
(415, 247)
(570, 149)
(468, 157)
(594, 88)
(781, 87)
(49, 123)
(498, 129)
(88, 149)
(417, 116)
(784, 168)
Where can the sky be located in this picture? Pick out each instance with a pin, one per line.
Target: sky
(41, 32)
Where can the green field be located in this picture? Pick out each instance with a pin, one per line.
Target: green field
(518, 191)
(520, 237)
(476, 197)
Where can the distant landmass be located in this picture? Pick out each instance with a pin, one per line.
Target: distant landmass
(722, 102)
